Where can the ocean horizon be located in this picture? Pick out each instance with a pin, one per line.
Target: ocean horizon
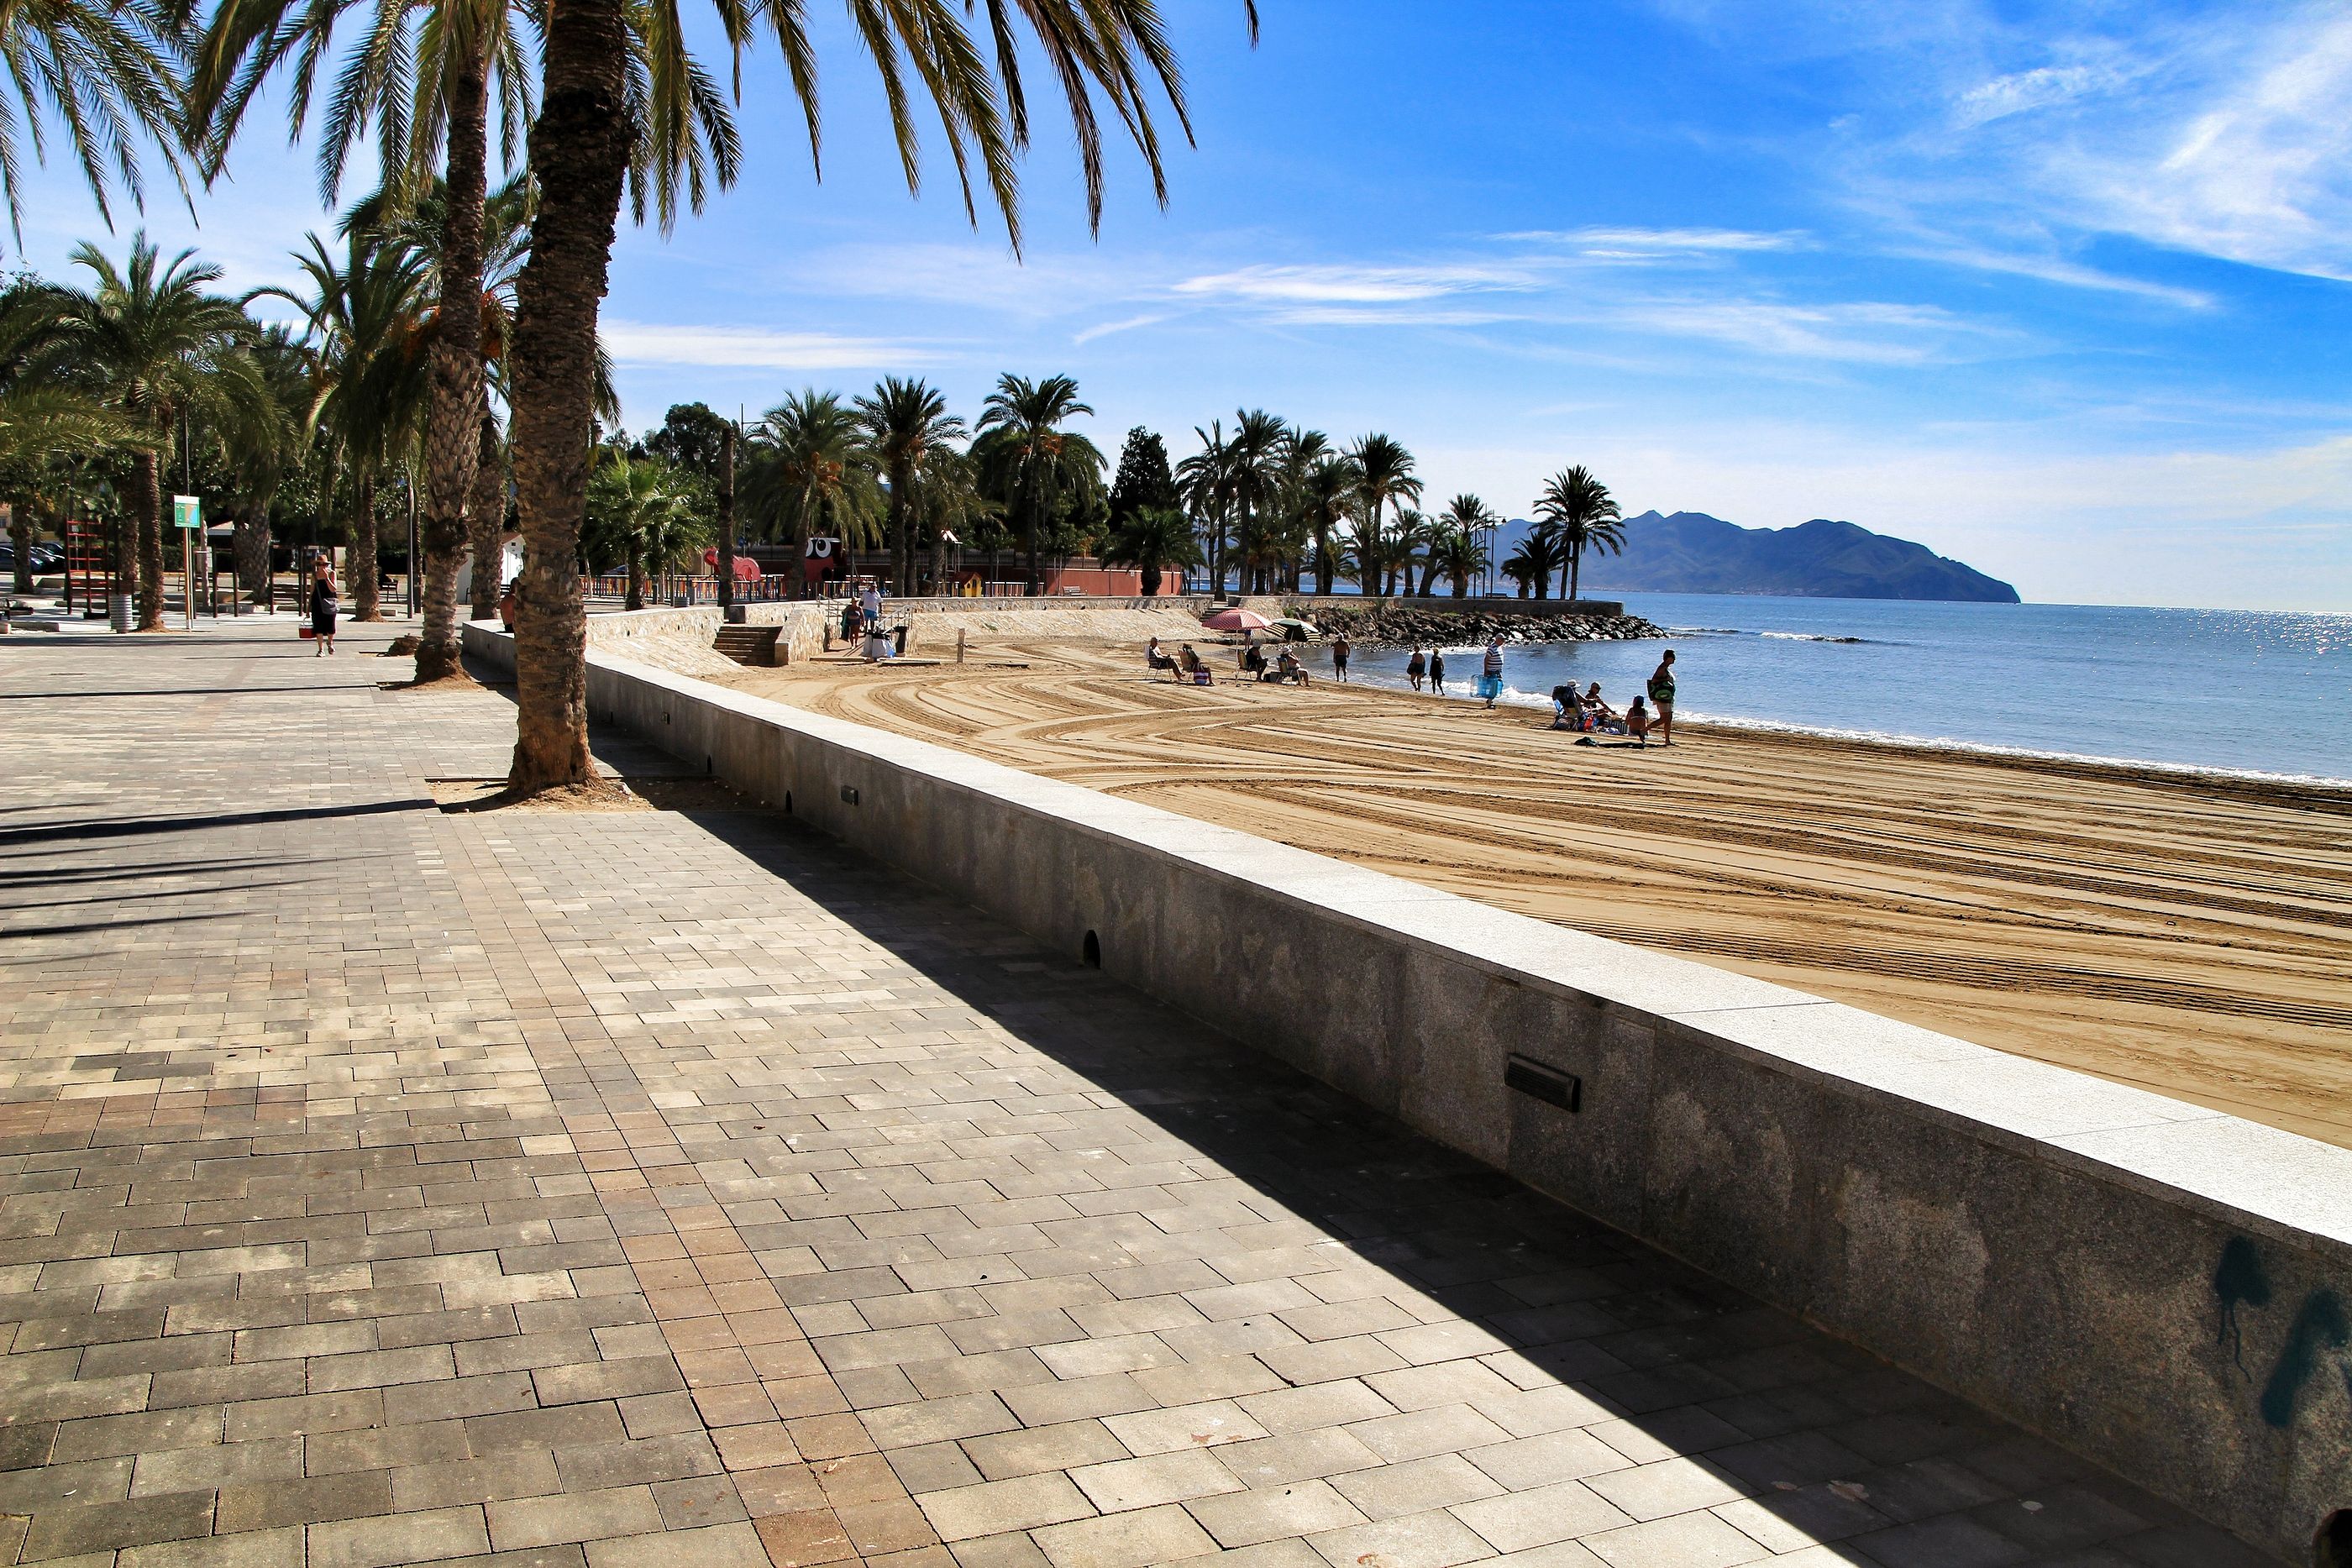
(2251, 693)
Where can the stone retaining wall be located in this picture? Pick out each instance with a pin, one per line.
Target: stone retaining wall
(2159, 1287)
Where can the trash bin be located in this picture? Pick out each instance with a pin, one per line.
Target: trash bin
(734, 614)
(124, 616)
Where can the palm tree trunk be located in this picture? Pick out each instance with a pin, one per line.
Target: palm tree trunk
(637, 599)
(147, 519)
(251, 551)
(485, 521)
(20, 539)
(1323, 562)
(724, 507)
(452, 436)
(1575, 564)
(580, 153)
(362, 560)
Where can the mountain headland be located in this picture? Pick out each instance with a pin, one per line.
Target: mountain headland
(1690, 552)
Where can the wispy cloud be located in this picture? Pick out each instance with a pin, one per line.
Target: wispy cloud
(2039, 88)
(1107, 327)
(1653, 245)
(1861, 333)
(647, 343)
(1333, 285)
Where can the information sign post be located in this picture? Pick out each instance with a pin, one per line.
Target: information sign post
(188, 513)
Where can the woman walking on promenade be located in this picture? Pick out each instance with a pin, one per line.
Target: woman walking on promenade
(1662, 697)
(1490, 673)
(324, 607)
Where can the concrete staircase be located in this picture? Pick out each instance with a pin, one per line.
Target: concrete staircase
(748, 644)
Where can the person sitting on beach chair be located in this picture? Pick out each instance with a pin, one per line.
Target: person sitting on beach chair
(1288, 669)
(1154, 659)
(1189, 663)
(1253, 662)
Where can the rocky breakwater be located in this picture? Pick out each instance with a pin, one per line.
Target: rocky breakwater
(1377, 623)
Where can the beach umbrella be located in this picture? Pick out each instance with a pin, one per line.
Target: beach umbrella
(1294, 620)
(1231, 620)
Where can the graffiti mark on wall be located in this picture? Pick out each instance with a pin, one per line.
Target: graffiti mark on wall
(2320, 1326)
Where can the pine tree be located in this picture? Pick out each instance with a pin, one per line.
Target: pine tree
(1145, 483)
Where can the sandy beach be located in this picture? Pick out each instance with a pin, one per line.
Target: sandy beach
(2182, 935)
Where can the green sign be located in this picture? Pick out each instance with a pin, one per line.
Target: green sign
(187, 512)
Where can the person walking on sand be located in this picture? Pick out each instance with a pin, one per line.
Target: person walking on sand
(1490, 671)
(1339, 651)
(1437, 671)
(1662, 697)
(323, 606)
(1416, 667)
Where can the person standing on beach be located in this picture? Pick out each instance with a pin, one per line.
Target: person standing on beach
(1339, 651)
(1490, 672)
(1437, 671)
(1416, 667)
(1662, 697)
(323, 606)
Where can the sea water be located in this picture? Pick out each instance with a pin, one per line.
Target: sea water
(2235, 691)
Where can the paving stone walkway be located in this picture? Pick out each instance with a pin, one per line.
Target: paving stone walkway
(385, 1185)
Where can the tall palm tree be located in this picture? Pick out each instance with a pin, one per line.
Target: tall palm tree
(904, 422)
(105, 70)
(1204, 481)
(160, 344)
(1578, 507)
(1326, 492)
(580, 153)
(266, 444)
(1414, 535)
(45, 415)
(1151, 540)
(422, 75)
(1254, 480)
(1042, 463)
(949, 499)
(809, 474)
(1383, 476)
(1460, 551)
(369, 333)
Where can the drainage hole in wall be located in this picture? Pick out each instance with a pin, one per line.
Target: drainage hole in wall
(2332, 1546)
(1543, 1081)
(848, 795)
(787, 802)
(1092, 951)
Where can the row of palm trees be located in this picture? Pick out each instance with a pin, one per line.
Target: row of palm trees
(600, 102)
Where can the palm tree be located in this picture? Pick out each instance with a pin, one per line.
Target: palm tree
(580, 153)
(422, 74)
(1579, 512)
(809, 474)
(106, 72)
(1325, 493)
(158, 344)
(641, 510)
(1040, 463)
(1460, 552)
(1204, 481)
(1533, 560)
(1414, 535)
(903, 422)
(948, 498)
(44, 416)
(1383, 475)
(369, 334)
(1253, 481)
(268, 442)
(1154, 539)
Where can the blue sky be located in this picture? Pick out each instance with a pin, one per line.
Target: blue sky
(2060, 290)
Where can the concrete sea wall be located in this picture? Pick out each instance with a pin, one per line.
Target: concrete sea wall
(2164, 1289)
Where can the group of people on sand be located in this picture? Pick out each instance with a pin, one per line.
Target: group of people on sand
(1586, 712)
(1589, 713)
(1187, 665)
(1430, 666)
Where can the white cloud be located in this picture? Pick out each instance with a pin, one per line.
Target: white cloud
(2025, 90)
(1107, 327)
(748, 348)
(1863, 331)
(1653, 245)
(1352, 285)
